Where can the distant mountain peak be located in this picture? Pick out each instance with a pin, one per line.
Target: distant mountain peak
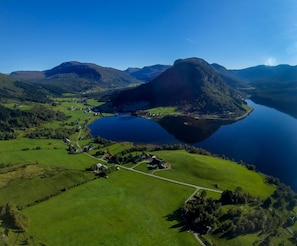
(74, 67)
(74, 76)
(131, 70)
(191, 84)
(69, 63)
(192, 60)
(147, 73)
(262, 73)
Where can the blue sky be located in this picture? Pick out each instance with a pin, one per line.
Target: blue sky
(38, 35)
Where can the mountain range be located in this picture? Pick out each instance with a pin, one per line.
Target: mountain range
(77, 77)
(147, 73)
(273, 86)
(180, 84)
(190, 84)
(262, 73)
(12, 88)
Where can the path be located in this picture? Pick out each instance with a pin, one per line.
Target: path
(78, 137)
(289, 230)
(170, 180)
(196, 187)
(139, 164)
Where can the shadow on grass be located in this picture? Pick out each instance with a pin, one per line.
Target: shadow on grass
(177, 217)
(293, 240)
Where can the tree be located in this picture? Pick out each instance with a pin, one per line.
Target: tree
(227, 197)
(267, 203)
(280, 203)
(292, 204)
(203, 194)
(12, 218)
(251, 167)
(289, 221)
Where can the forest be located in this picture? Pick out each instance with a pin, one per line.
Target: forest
(12, 120)
(238, 213)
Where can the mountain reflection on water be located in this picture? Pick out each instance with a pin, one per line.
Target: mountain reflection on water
(190, 130)
(266, 138)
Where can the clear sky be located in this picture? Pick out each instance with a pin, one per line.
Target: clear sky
(41, 34)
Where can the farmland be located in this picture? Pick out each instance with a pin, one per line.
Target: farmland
(59, 198)
(125, 209)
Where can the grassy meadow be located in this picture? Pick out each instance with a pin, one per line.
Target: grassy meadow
(208, 171)
(163, 111)
(117, 147)
(28, 191)
(77, 110)
(65, 204)
(126, 209)
(46, 152)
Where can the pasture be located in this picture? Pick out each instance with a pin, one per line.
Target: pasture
(209, 171)
(126, 209)
(163, 111)
(46, 152)
(28, 190)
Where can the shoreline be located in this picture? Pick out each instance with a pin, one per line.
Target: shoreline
(244, 115)
(193, 117)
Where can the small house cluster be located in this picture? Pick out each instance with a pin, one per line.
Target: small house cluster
(71, 149)
(67, 141)
(156, 163)
(153, 115)
(87, 148)
(98, 168)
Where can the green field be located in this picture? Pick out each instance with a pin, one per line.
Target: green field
(23, 192)
(142, 167)
(208, 171)
(66, 205)
(249, 239)
(117, 147)
(76, 109)
(163, 111)
(126, 209)
(130, 208)
(44, 152)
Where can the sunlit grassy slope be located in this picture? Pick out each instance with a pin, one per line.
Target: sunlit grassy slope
(126, 209)
(42, 151)
(208, 171)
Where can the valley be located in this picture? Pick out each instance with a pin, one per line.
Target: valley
(59, 182)
(46, 177)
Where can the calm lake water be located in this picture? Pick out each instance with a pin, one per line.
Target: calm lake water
(266, 138)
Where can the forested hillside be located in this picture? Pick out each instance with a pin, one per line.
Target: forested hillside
(13, 88)
(191, 84)
(78, 77)
(274, 86)
(12, 120)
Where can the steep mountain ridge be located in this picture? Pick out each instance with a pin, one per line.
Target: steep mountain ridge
(273, 86)
(230, 78)
(147, 73)
(190, 84)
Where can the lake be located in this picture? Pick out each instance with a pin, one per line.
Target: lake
(266, 138)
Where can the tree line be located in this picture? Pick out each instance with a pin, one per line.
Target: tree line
(127, 156)
(15, 119)
(238, 213)
(57, 133)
